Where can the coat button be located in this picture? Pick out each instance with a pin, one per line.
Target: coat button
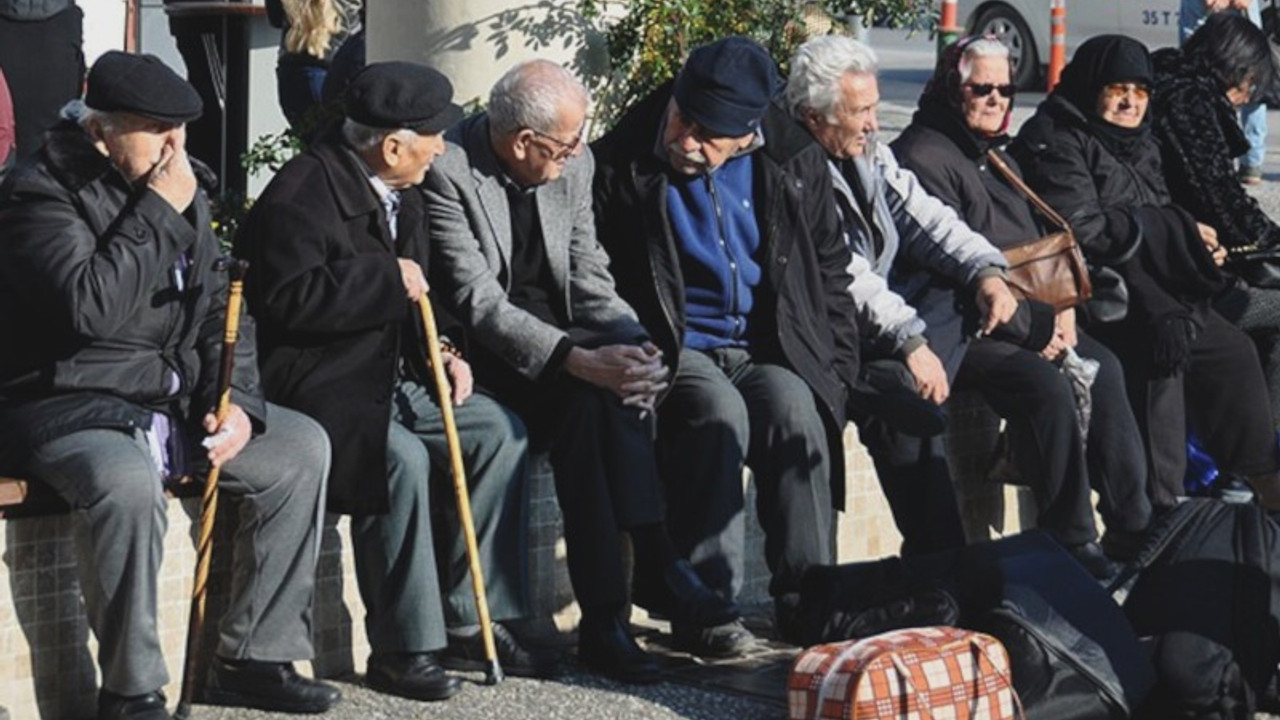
(782, 259)
(799, 184)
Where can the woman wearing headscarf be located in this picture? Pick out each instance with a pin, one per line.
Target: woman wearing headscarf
(964, 115)
(1194, 118)
(1089, 152)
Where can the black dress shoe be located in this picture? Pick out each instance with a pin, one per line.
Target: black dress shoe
(267, 686)
(605, 646)
(1090, 555)
(729, 640)
(149, 706)
(466, 652)
(416, 676)
(692, 603)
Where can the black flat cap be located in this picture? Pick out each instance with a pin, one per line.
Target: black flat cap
(402, 95)
(726, 86)
(142, 85)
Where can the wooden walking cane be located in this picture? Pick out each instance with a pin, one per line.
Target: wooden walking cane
(209, 499)
(494, 674)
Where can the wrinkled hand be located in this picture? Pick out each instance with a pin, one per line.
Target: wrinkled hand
(995, 302)
(415, 283)
(461, 381)
(1217, 5)
(172, 177)
(1209, 237)
(225, 442)
(648, 384)
(632, 372)
(1241, 5)
(930, 375)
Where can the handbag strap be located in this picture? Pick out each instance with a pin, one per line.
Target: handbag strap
(994, 158)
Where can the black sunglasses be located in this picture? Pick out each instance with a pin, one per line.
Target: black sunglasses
(985, 89)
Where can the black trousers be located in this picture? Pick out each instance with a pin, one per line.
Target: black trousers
(605, 471)
(1223, 396)
(1060, 465)
(1035, 398)
(912, 471)
(725, 410)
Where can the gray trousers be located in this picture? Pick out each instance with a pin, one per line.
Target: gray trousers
(395, 562)
(725, 410)
(110, 480)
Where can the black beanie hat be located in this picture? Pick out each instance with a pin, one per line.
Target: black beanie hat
(726, 86)
(142, 85)
(402, 95)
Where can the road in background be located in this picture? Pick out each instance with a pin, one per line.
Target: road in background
(906, 64)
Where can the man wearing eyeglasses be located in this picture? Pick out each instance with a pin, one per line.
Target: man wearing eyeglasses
(515, 256)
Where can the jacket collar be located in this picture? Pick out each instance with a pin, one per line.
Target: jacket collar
(349, 178)
(72, 157)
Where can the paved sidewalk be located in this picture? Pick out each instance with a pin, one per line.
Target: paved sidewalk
(752, 688)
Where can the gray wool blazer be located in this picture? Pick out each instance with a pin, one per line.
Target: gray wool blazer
(470, 238)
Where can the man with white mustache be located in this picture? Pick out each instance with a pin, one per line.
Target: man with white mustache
(719, 217)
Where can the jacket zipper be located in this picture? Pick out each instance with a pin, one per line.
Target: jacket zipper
(728, 254)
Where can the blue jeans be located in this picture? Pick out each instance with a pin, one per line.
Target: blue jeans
(1253, 117)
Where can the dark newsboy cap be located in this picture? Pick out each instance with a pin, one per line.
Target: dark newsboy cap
(402, 95)
(726, 86)
(142, 85)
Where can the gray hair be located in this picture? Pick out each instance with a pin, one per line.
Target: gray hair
(983, 47)
(363, 137)
(85, 116)
(531, 95)
(816, 70)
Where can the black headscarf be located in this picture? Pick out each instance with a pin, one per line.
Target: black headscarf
(1098, 62)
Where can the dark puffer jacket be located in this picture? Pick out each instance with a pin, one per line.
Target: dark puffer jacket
(804, 317)
(1200, 137)
(100, 327)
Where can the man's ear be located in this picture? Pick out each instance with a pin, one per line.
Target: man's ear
(97, 134)
(392, 149)
(519, 142)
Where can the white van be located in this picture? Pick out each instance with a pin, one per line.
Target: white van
(1024, 26)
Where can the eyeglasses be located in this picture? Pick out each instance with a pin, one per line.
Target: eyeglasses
(984, 89)
(1115, 91)
(561, 149)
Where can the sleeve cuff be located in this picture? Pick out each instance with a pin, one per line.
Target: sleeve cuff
(556, 361)
(911, 345)
(991, 271)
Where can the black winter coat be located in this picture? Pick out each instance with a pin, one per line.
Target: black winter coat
(325, 286)
(952, 165)
(1200, 136)
(1120, 210)
(804, 315)
(89, 296)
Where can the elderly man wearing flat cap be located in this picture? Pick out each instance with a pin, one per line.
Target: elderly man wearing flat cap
(337, 245)
(108, 277)
(718, 215)
(516, 256)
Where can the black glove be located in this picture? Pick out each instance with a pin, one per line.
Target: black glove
(1171, 346)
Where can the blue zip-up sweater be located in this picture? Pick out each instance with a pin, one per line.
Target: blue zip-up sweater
(714, 221)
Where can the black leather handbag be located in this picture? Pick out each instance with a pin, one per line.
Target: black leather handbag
(1260, 267)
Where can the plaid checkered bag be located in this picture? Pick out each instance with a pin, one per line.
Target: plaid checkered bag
(932, 673)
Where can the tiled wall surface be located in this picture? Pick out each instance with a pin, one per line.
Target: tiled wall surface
(46, 651)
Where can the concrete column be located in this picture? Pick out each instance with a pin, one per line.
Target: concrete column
(474, 41)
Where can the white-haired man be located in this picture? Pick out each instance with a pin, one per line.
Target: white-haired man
(337, 246)
(513, 235)
(906, 245)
